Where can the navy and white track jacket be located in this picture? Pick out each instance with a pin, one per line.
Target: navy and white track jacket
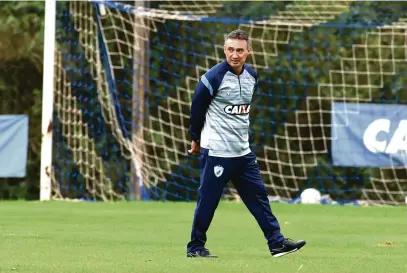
(220, 109)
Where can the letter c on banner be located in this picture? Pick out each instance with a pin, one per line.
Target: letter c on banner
(371, 132)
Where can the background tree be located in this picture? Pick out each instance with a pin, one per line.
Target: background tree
(21, 54)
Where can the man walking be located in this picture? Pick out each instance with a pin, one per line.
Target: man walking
(219, 130)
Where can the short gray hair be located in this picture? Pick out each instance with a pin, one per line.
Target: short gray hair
(239, 35)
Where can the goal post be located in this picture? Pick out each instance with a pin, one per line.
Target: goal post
(47, 100)
(125, 72)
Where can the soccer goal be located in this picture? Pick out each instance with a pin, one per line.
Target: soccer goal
(119, 77)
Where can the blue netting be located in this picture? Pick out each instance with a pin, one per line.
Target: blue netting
(293, 60)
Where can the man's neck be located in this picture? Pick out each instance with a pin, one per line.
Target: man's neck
(238, 70)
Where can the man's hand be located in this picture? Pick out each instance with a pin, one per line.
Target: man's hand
(195, 148)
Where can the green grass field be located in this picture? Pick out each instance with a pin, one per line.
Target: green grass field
(151, 237)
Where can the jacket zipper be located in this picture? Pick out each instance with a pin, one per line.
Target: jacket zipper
(238, 78)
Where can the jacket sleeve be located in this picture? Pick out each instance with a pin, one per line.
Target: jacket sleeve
(200, 103)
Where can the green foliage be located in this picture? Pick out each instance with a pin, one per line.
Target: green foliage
(21, 29)
(21, 50)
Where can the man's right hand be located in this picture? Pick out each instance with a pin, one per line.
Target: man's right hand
(195, 148)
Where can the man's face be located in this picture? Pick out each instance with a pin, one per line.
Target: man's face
(236, 52)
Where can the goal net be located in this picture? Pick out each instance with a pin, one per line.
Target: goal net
(125, 73)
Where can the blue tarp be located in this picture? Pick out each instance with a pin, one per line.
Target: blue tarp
(13, 145)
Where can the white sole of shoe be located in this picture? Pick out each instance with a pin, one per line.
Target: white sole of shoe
(284, 253)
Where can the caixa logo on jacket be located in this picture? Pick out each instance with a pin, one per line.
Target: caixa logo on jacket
(239, 109)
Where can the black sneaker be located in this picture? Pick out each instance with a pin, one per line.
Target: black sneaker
(202, 253)
(288, 246)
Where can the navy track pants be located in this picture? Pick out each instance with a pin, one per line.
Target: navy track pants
(245, 175)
